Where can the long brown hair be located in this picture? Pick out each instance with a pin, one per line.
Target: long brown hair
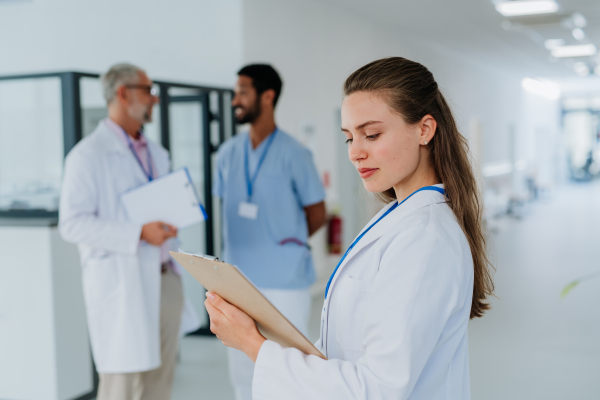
(410, 89)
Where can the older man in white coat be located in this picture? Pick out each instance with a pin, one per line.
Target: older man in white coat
(133, 292)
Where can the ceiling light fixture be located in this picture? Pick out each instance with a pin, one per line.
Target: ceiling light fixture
(579, 50)
(553, 43)
(578, 20)
(526, 7)
(546, 89)
(578, 34)
(581, 68)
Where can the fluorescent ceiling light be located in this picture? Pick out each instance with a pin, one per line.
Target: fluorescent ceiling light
(581, 68)
(552, 43)
(579, 50)
(578, 20)
(526, 7)
(546, 89)
(578, 34)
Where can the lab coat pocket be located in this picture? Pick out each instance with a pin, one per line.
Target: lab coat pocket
(100, 280)
(351, 293)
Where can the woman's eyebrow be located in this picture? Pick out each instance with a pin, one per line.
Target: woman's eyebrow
(363, 125)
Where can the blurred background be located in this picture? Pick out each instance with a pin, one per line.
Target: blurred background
(523, 78)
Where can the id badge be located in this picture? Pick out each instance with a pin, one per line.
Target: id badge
(248, 210)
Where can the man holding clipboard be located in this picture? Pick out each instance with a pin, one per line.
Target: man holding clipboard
(273, 200)
(133, 292)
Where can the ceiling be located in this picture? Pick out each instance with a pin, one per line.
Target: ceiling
(474, 29)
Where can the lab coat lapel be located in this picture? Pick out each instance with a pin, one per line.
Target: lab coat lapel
(417, 201)
(115, 145)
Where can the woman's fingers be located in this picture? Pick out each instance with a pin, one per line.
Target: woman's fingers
(215, 316)
(233, 326)
(213, 312)
(217, 302)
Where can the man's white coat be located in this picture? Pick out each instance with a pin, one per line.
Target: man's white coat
(121, 274)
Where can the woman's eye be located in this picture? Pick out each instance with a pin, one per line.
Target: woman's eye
(348, 141)
(373, 137)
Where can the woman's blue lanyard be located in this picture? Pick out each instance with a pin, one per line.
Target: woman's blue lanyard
(250, 181)
(150, 173)
(389, 210)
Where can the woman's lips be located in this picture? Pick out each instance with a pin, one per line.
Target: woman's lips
(366, 172)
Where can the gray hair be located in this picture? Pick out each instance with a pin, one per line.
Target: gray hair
(119, 75)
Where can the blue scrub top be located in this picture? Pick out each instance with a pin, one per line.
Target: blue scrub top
(287, 182)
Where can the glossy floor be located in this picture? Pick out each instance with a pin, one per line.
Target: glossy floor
(532, 344)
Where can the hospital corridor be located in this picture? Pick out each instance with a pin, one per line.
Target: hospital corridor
(300, 200)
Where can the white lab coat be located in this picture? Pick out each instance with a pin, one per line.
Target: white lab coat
(121, 274)
(394, 324)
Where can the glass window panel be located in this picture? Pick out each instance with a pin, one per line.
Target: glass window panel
(217, 217)
(187, 151)
(214, 102)
(177, 91)
(227, 112)
(93, 105)
(213, 98)
(31, 144)
(580, 133)
(185, 120)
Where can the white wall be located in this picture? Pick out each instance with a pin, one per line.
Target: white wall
(315, 45)
(188, 41)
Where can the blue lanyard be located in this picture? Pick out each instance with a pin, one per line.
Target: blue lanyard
(150, 173)
(392, 208)
(250, 182)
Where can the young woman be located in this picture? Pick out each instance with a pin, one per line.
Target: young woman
(394, 323)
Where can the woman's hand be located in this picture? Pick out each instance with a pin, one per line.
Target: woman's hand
(233, 326)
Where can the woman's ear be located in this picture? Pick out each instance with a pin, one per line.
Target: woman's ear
(428, 127)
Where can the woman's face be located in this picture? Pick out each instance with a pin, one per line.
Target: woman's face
(383, 148)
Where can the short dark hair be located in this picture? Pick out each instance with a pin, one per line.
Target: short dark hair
(264, 77)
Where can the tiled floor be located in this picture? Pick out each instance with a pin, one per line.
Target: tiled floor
(531, 345)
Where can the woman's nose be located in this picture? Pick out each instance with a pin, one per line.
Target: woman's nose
(356, 151)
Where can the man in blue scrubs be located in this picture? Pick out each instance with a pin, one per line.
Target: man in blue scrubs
(273, 200)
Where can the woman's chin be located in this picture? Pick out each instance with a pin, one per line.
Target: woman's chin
(373, 187)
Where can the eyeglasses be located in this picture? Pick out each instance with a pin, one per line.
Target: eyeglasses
(149, 89)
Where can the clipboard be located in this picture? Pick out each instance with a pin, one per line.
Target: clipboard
(230, 283)
(170, 198)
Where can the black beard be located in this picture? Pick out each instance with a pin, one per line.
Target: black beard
(250, 116)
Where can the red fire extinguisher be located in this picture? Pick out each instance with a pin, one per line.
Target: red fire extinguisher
(334, 234)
